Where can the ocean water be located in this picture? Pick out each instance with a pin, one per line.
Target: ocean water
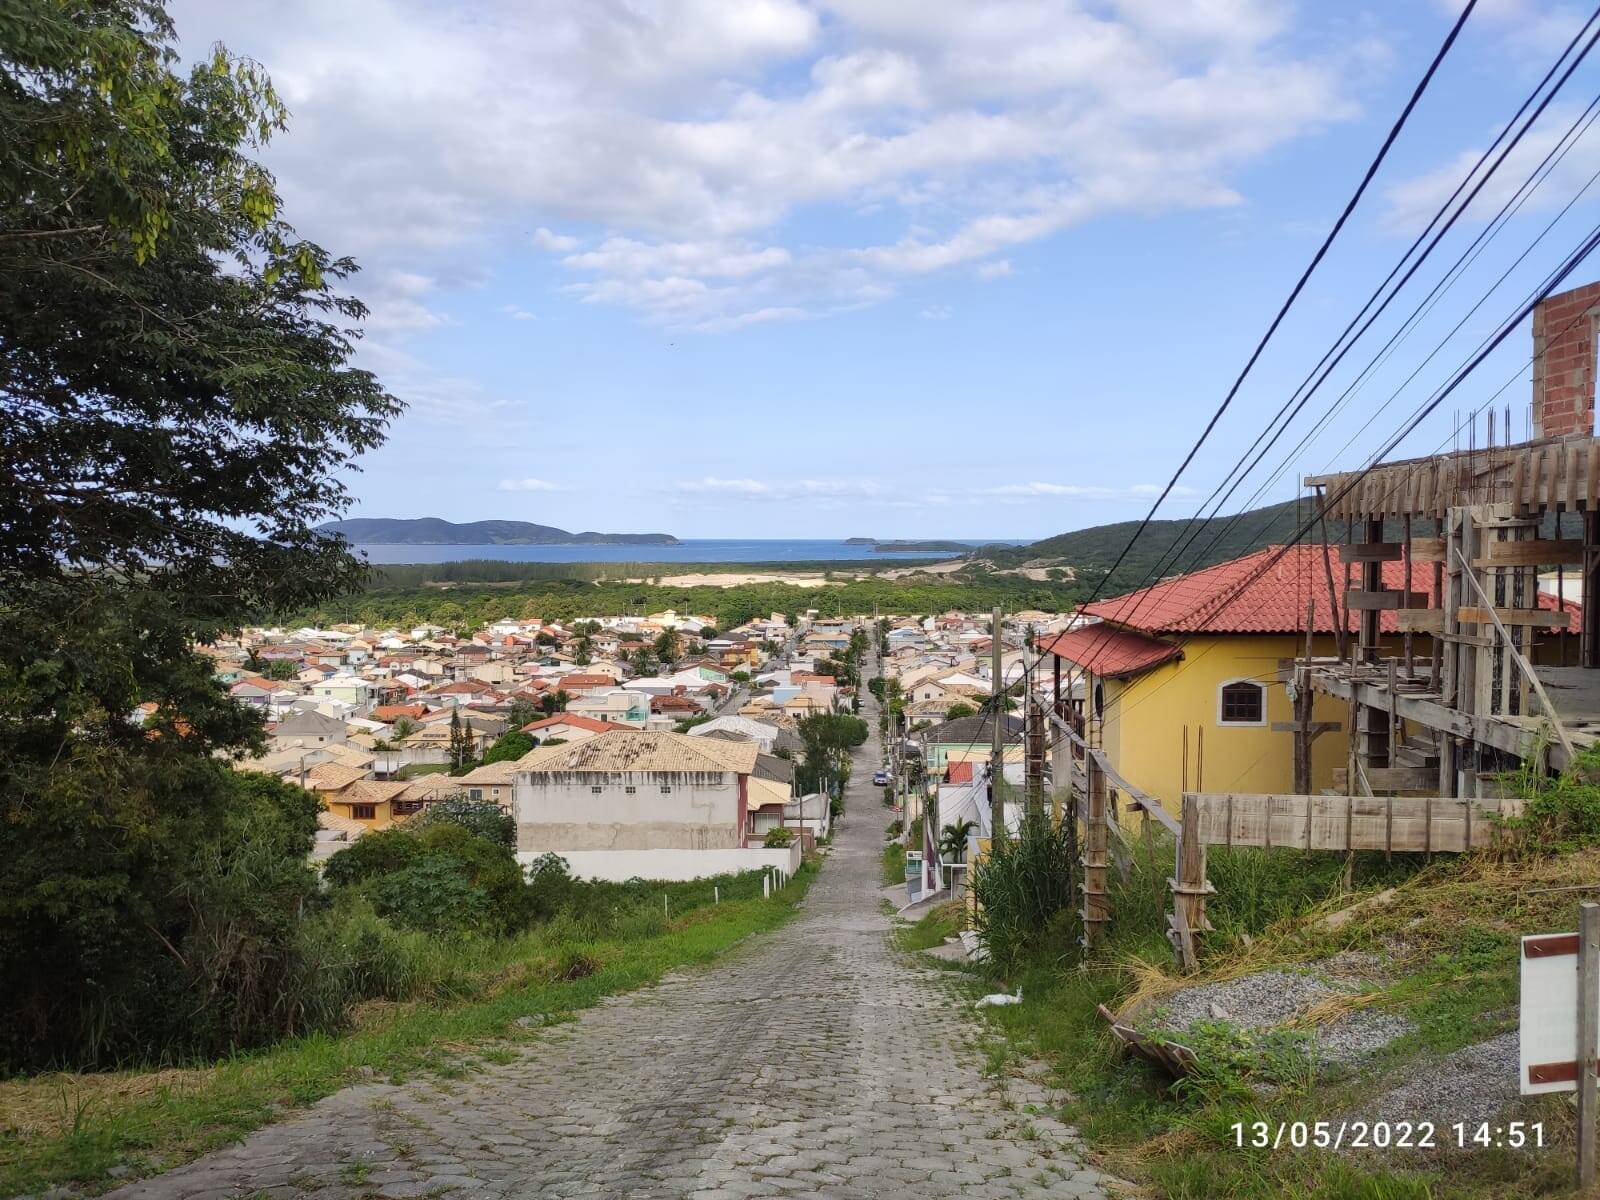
(691, 550)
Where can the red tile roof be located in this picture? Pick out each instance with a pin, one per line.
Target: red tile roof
(958, 772)
(575, 721)
(1108, 651)
(393, 712)
(586, 681)
(1260, 593)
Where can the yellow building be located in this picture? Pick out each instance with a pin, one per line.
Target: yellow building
(1182, 682)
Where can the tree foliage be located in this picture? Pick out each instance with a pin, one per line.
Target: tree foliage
(179, 406)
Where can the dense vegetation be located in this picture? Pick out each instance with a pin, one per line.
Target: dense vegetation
(566, 598)
(180, 406)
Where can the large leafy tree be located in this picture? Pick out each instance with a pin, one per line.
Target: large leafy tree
(177, 403)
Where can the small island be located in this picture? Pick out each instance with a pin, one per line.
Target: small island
(905, 547)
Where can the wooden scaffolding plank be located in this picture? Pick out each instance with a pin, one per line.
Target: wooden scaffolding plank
(1371, 551)
(1420, 620)
(1532, 552)
(1400, 824)
(1427, 549)
(1539, 618)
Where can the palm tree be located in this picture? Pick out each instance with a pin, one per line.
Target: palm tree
(953, 841)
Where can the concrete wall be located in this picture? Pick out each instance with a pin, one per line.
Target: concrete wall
(670, 864)
(562, 811)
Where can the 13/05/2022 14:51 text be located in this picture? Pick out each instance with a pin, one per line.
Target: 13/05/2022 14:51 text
(1383, 1135)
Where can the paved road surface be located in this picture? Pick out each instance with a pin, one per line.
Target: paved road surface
(817, 1060)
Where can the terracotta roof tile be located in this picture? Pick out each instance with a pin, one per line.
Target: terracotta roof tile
(1259, 593)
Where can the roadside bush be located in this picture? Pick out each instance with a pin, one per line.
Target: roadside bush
(484, 818)
(440, 879)
(1024, 891)
(778, 838)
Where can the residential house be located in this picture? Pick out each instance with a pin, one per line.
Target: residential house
(619, 706)
(492, 781)
(634, 803)
(568, 726)
(1182, 680)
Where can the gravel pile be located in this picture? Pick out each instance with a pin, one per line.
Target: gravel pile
(1275, 998)
(1476, 1083)
(1249, 1002)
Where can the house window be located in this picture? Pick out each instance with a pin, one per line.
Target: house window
(364, 812)
(630, 789)
(595, 790)
(1242, 702)
(475, 793)
(666, 789)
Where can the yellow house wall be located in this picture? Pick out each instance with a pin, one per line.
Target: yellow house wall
(1148, 716)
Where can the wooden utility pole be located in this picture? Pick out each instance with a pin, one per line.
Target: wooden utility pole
(1035, 758)
(997, 804)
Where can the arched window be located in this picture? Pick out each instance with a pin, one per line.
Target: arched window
(1242, 702)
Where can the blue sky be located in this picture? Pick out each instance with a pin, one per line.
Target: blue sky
(791, 268)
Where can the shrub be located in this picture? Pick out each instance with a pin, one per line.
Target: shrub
(484, 818)
(440, 879)
(1024, 893)
(779, 837)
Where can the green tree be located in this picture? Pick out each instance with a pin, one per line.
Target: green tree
(508, 747)
(959, 709)
(460, 751)
(179, 410)
(282, 668)
(522, 712)
(668, 646)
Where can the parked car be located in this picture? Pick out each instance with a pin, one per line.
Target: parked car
(880, 778)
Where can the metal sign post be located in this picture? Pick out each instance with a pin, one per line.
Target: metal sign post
(1560, 1016)
(1588, 1000)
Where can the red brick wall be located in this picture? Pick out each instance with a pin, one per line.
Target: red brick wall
(1564, 362)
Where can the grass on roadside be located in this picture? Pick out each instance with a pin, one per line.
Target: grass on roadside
(894, 864)
(1446, 938)
(69, 1128)
(936, 924)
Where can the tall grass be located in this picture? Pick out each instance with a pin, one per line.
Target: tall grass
(1025, 896)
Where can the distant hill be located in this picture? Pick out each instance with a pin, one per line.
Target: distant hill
(1094, 549)
(433, 531)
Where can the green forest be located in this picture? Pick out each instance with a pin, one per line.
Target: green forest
(469, 605)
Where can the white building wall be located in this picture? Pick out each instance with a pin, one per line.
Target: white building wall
(578, 811)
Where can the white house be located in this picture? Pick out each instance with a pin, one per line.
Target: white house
(634, 803)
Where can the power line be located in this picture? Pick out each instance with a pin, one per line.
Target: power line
(1294, 294)
(1195, 527)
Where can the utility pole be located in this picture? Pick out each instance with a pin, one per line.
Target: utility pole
(1034, 740)
(997, 804)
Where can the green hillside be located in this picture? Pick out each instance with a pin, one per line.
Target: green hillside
(1092, 551)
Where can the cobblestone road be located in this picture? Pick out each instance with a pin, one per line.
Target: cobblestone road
(817, 1061)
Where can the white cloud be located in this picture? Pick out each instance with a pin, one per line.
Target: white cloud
(1413, 202)
(558, 243)
(998, 269)
(528, 485)
(518, 314)
(937, 312)
(683, 145)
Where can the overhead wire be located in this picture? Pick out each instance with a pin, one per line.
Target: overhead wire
(1307, 388)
